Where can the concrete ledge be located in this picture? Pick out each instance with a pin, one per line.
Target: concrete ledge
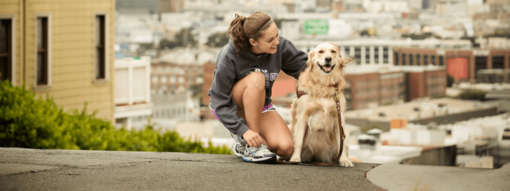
(422, 177)
(36, 169)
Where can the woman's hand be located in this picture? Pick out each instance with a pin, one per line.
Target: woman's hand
(252, 138)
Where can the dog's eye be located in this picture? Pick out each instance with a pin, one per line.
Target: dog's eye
(321, 51)
(333, 52)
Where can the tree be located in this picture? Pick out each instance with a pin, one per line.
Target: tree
(165, 43)
(185, 38)
(218, 39)
(472, 95)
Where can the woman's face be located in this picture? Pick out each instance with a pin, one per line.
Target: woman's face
(267, 42)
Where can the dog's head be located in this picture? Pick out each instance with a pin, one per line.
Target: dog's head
(326, 62)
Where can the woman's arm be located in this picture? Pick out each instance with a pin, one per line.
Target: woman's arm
(222, 101)
(293, 60)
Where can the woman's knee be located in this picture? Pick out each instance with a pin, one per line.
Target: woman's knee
(286, 148)
(256, 81)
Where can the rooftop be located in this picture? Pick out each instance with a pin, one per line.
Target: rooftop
(417, 109)
(34, 169)
(351, 68)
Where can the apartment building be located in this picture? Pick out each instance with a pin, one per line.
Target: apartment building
(429, 81)
(462, 64)
(175, 77)
(61, 48)
(208, 69)
(371, 87)
(424, 112)
(376, 86)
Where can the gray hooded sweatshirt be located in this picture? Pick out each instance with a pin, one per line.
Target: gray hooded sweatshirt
(231, 68)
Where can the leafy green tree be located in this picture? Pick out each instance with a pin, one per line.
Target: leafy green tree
(30, 122)
(185, 38)
(165, 43)
(472, 95)
(218, 39)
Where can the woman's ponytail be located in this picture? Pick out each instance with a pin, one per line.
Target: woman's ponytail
(236, 30)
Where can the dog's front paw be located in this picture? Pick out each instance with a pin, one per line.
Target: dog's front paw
(346, 162)
(295, 159)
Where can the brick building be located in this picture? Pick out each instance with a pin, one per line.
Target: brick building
(208, 69)
(375, 86)
(174, 77)
(371, 87)
(462, 64)
(425, 82)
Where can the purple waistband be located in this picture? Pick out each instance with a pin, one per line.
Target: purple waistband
(266, 107)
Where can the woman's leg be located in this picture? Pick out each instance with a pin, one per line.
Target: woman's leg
(276, 133)
(249, 95)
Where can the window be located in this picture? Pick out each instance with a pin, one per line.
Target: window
(411, 60)
(418, 59)
(376, 55)
(385, 55)
(404, 60)
(433, 59)
(498, 62)
(425, 59)
(6, 51)
(480, 64)
(441, 60)
(100, 45)
(396, 59)
(357, 55)
(42, 34)
(367, 55)
(347, 51)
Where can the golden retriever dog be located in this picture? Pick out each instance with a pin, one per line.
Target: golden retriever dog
(315, 127)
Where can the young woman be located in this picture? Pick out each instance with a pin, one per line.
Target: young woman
(241, 91)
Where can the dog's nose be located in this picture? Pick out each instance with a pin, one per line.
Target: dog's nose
(328, 59)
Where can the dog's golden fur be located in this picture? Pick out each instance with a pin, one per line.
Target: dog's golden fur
(314, 124)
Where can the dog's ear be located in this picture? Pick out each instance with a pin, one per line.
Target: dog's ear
(309, 63)
(345, 61)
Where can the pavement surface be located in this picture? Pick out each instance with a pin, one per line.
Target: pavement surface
(422, 177)
(37, 169)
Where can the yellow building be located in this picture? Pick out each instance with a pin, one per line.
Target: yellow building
(63, 48)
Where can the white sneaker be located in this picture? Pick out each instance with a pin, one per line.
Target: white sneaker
(239, 145)
(258, 154)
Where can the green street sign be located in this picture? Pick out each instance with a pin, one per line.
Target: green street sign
(316, 26)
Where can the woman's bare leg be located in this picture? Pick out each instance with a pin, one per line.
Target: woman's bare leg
(276, 133)
(249, 95)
